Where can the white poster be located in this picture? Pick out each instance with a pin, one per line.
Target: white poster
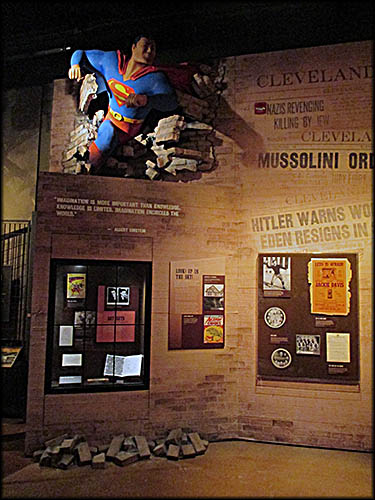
(66, 335)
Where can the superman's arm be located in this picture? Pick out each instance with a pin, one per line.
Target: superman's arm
(92, 60)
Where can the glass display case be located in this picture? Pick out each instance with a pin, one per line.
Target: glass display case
(98, 326)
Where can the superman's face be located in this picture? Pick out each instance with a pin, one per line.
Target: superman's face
(144, 51)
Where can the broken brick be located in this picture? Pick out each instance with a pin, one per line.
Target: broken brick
(173, 452)
(66, 460)
(68, 445)
(143, 448)
(125, 458)
(45, 459)
(160, 450)
(55, 441)
(188, 451)
(128, 444)
(98, 461)
(197, 442)
(115, 446)
(174, 436)
(84, 454)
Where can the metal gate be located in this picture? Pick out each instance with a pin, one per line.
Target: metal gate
(15, 247)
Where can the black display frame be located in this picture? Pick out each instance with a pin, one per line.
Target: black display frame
(140, 270)
(305, 367)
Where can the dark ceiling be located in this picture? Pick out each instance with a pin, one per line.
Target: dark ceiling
(39, 37)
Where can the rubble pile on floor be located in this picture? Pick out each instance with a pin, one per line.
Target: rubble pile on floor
(64, 451)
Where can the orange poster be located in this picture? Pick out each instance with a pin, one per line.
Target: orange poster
(329, 281)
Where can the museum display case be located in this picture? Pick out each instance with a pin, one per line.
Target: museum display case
(99, 326)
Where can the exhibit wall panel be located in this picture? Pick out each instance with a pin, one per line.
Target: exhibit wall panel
(307, 187)
(118, 220)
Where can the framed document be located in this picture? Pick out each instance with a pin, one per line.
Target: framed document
(65, 335)
(71, 360)
(338, 347)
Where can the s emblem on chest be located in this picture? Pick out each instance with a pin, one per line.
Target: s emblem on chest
(120, 91)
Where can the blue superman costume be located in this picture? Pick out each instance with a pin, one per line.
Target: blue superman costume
(122, 123)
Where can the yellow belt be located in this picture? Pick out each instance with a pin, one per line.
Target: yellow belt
(121, 118)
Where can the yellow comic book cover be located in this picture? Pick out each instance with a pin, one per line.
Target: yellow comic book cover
(76, 286)
(213, 329)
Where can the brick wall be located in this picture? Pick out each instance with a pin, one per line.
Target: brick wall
(62, 121)
(217, 391)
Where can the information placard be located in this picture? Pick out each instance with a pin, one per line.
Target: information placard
(197, 304)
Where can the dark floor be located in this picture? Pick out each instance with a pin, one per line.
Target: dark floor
(228, 469)
(12, 446)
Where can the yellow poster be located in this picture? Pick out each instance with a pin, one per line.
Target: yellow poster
(76, 286)
(329, 281)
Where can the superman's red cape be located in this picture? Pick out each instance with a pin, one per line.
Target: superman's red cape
(179, 75)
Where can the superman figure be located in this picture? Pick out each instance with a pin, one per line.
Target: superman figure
(134, 87)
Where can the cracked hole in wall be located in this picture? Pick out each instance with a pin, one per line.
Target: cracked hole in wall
(178, 147)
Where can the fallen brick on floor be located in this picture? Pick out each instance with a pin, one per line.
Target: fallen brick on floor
(115, 446)
(66, 460)
(55, 441)
(174, 436)
(173, 452)
(179, 443)
(98, 461)
(45, 459)
(188, 451)
(83, 454)
(160, 450)
(197, 443)
(125, 458)
(143, 448)
(128, 444)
